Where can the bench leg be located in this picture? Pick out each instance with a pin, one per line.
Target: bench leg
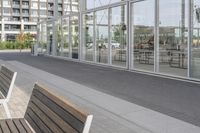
(7, 110)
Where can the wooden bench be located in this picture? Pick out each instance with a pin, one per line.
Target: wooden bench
(7, 79)
(48, 113)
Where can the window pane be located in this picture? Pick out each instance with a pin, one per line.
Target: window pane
(74, 36)
(196, 41)
(88, 29)
(98, 3)
(118, 35)
(143, 35)
(102, 36)
(173, 37)
(65, 27)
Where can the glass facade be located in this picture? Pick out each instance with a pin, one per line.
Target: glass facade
(195, 46)
(157, 36)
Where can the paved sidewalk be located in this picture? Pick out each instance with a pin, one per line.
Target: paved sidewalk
(111, 114)
(175, 98)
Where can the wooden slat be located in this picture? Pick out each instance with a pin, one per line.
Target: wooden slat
(12, 126)
(67, 117)
(5, 78)
(76, 111)
(46, 120)
(32, 123)
(7, 72)
(25, 125)
(57, 119)
(4, 89)
(19, 126)
(38, 121)
(4, 126)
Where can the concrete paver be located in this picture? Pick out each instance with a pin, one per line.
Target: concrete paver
(111, 114)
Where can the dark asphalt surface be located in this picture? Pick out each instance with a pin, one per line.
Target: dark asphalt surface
(178, 99)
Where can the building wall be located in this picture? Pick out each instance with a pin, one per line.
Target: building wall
(23, 15)
(155, 36)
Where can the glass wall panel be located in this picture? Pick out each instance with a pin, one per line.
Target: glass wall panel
(173, 37)
(58, 33)
(49, 37)
(98, 3)
(74, 25)
(195, 70)
(43, 41)
(102, 36)
(118, 35)
(143, 34)
(65, 28)
(88, 38)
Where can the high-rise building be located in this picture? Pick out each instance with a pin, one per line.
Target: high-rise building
(17, 16)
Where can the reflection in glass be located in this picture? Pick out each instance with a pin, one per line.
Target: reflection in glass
(88, 37)
(74, 36)
(195, 73)
(65, 28)
(143, 35)
(58, 33)
(42, 46)
(118, 35)
(49, 37)
(102, 36)
(97, 3)
(173, 37)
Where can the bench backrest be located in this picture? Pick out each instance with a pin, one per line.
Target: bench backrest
(47, 112)
(7, 79)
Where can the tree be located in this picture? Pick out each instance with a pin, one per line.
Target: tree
(24, 40)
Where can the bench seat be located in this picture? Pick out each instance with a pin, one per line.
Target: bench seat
(49, 113)
(15, 126)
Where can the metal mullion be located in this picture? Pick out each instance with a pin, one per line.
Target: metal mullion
(109, 37)
(128, 36)
(190, 34)
(81, 43)
(94, 36)
(156, 37)
(131, 32)
(79, 37)
(62, 35)
(69, 37)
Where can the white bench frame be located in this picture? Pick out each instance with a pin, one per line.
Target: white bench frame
(88, 123)
(4, 101)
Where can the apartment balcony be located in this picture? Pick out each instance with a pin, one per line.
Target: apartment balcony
(16, 6)
(50, 8)
(30, 30)
(50, 1)
(25, 6)
(25, 14)
(60, 8)
(59, 1)
(16, 14)
(12, 29)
